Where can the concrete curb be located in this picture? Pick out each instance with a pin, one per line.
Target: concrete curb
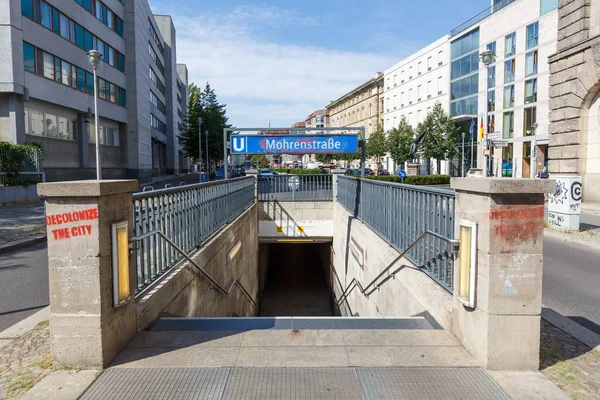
(26, 324)
(19, 244)
(572, 328)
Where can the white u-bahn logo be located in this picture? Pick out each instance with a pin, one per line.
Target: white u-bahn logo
(239, 144)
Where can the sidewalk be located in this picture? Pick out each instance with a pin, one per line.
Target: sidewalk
(21, 224)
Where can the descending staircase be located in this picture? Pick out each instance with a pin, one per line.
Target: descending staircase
(294, 357)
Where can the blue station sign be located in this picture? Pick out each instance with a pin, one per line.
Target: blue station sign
(294, 144)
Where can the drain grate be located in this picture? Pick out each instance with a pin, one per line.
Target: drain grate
(428, 384)
(158, 383)
(295, 383)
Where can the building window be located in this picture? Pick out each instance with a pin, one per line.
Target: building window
(491, 76)
(57, 69)
(29, 57)
(66, 73)
(509, 96)
(464, 74)
(491, 100)
(79, 39)
(27, 8)
(529, 121)
(532, 35)
(37, 122)
(507, 161)
(64, 26)
(510, 45)
(48, 66)
(491, 46)
(508, 126)
(50, 125)
(509, 71)
(547, 6)
(530, 91)
(429, 63)
(531, 63)
(46, 15)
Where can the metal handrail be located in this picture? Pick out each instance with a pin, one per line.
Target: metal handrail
(355, 283)
(144, 195)
(416, 188)
(226, 292)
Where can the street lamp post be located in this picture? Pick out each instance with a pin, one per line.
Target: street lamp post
(200, 149)
(207, 159)
(95, 58)
(487, 58)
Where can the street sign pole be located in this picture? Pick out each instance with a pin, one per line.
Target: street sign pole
(462, 172)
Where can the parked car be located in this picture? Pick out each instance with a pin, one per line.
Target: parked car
(265, 172)
(368, 171)
(383, 172)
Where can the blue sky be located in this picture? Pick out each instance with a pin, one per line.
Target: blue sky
(281, 60)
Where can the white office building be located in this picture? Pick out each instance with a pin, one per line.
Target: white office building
(515, 88)
(414, 85)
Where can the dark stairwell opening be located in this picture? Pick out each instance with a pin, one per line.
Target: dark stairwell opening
(295, 279)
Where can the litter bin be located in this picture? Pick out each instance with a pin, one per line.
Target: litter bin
(204, 179)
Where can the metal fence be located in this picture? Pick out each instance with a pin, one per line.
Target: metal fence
(318, 187)
(188, 216)
(30, 169)
(400, 214)
(480, 17)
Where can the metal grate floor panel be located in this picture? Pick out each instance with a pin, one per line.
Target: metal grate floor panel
(295, 383)
(428, 384)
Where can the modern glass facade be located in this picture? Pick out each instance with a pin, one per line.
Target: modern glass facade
(464, 84)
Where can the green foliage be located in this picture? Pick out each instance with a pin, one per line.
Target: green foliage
(377, 144)
(15, 157)
(399, 141)
(299, 171)
(260, 161)
(204, 104)
(421, 180)
(442, 135)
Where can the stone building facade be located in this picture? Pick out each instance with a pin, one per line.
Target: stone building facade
(361, 107)
(574, 96)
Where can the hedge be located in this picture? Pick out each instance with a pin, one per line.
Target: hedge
(421, 180)
(299, 171)
(16, 158)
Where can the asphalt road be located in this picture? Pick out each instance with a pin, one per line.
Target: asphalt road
(572, 281)
(23, 283)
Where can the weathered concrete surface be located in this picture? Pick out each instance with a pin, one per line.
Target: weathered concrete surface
(411, 293)
(64, 385)
(527, 385)
(184, 292)
(86, 330)
(503, 330)
(295, 219)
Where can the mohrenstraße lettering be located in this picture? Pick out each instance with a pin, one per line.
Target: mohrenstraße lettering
(284, 144)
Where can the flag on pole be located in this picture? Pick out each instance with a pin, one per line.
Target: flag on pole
(472, 128)
(481, 131)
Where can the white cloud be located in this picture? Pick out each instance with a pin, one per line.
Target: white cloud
(259, 79)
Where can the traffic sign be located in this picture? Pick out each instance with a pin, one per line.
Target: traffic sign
(402, 174)
(293, 183)
(493, 136)
(499, 143)
(486, 152)
(294, 144)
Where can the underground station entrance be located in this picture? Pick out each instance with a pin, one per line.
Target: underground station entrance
(295, 280)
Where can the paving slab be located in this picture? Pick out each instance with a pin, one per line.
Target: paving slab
(293, 357)
(63, 385)
(527, 385)
(180, 357)
(413, 356)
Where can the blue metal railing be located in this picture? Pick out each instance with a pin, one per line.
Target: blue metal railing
(400, 214)
(317, 187)
(188, 216)
(480, 17)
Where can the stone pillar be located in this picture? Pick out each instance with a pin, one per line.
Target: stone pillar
(335, 173)
(86, 330)
(502, 332)
(413, 169)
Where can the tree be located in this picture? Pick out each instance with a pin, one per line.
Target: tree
(260, 161)
(399, 142)
(440, 141)
(377, 145)
(204, 104)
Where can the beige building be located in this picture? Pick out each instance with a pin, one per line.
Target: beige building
(575, 96)
(361, 107)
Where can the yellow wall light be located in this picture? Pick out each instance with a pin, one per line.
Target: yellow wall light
(467, 263)
(120, 263)
(233, 251)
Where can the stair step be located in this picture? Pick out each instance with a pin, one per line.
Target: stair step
(289, 323)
